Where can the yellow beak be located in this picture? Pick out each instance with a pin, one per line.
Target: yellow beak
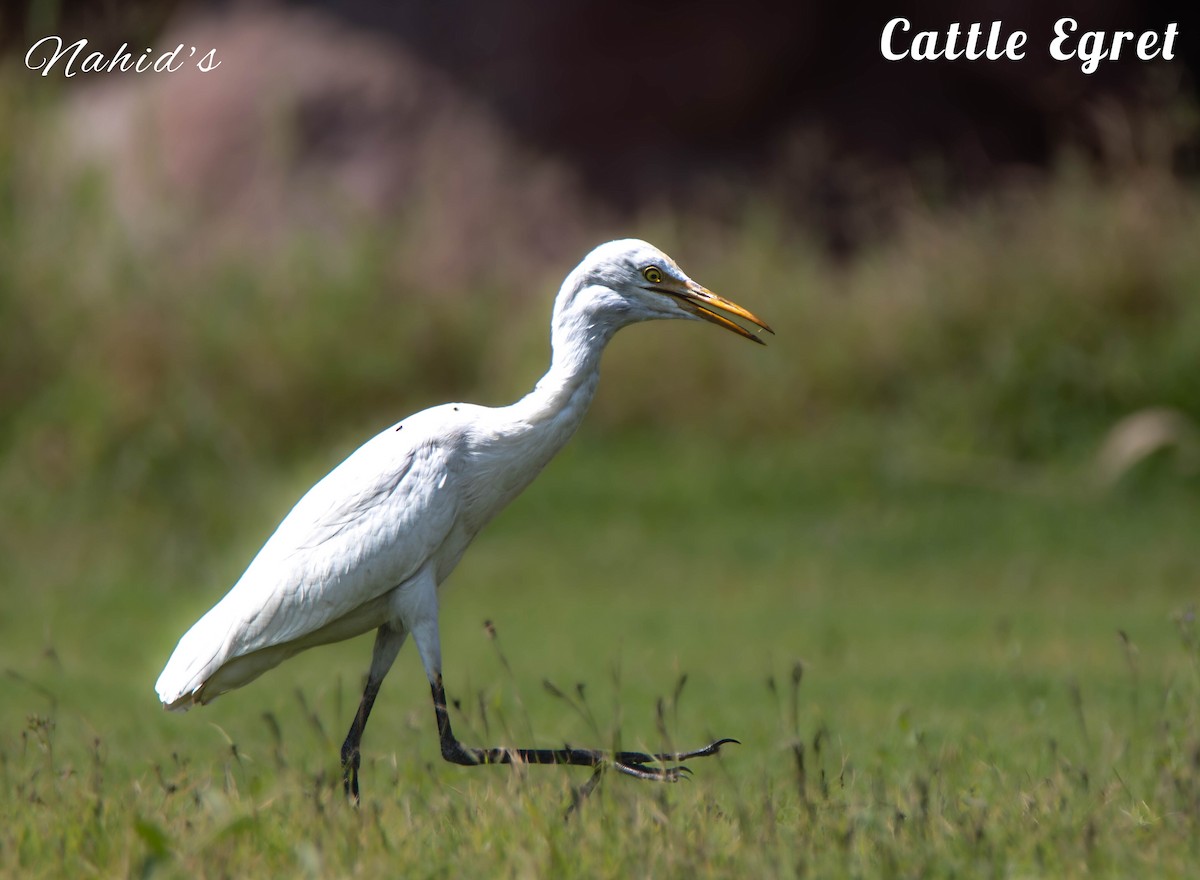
(702, 302)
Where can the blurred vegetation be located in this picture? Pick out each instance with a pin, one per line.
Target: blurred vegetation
(1021, 327)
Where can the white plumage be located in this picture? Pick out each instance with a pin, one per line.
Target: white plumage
(366, 547)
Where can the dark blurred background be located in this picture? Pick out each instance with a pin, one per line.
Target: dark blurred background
(683, 104)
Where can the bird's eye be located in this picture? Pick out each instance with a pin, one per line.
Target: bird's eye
(653, 274)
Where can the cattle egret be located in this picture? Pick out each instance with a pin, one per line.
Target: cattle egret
(367, 547)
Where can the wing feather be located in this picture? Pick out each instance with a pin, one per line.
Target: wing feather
(363, 530)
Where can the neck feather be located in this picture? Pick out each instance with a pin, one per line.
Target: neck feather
(562, 395)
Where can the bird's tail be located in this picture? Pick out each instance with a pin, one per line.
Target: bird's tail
(198, 655)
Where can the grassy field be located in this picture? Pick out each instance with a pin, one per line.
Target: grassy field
(876, 549)
(994, 683)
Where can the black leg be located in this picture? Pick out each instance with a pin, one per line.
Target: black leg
(351, 757)
(387, 644)
(638, 764)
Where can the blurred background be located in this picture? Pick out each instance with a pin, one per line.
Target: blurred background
(977, 424)
(1000, 251)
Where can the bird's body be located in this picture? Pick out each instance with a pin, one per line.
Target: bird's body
(368, 546)
(397, 513)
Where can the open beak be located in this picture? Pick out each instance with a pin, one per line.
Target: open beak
(703, 303)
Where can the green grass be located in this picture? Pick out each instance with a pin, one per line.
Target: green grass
(967, 705)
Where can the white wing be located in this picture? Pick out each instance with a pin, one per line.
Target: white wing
(363, 530)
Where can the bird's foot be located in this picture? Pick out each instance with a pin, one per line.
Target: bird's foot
(661, 767)
(664, 767)
(351, 760)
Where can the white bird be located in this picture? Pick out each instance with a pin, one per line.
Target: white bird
(368, 546)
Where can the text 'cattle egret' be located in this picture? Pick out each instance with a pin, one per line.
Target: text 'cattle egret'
(367, 546)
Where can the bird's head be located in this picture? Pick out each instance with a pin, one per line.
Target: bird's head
(623, 282)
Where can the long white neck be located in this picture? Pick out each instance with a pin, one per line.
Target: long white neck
(558, 402)
(517, 441)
